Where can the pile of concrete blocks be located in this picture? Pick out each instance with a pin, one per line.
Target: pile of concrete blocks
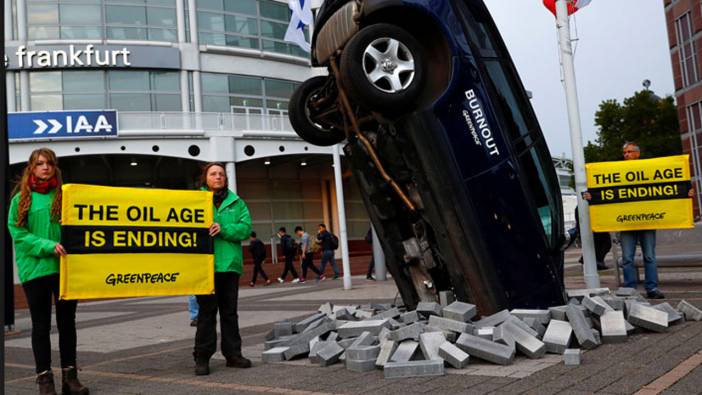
(423, 341)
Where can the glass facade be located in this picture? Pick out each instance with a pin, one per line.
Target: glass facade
(245, 94)
(151, 20)
(131, 90)
(249, 24)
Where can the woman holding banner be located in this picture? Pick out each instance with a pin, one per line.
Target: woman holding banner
(34, 223)
(232, 225)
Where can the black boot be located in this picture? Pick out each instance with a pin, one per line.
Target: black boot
(238, 362)
(70, 384)
(46, 383)
(202, 365)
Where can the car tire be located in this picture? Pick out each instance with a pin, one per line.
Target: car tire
(372, 81)
(302, 118)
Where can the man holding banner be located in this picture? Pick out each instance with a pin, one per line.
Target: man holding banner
(636, 198)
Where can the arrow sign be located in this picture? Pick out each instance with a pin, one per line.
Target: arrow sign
(62, 124)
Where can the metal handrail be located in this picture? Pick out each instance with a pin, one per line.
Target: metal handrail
(206, 121)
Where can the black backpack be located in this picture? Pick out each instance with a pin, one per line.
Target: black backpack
(288, 245)
(334, 241)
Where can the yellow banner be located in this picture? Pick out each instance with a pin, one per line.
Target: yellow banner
(640, 194)
(129, 242)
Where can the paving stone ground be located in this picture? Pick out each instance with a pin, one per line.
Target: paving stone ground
(143, 346)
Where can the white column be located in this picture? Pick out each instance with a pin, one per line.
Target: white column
(231, 175)
(10, 84)
(7, 9)
(378, 258)
(343, 237)
(197, 91)
(180, 20)
(21, 20)
(192, 13)
(592, 279)
(24, 90)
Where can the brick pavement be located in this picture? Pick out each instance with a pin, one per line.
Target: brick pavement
(142, 346)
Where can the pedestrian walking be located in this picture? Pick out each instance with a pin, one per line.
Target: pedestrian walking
(258, 252)
(307, 255)
(193, 309)
(34, 224)
(289, 251)
(231, 225)
(329, 243)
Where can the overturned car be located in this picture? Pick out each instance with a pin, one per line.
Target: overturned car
(441, 137)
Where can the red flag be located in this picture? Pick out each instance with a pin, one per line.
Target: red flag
(573, 5)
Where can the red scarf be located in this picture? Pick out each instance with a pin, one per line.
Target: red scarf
(37, 185)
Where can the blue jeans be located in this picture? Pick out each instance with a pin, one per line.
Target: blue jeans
(193, 307)
(647, 239)
(328, 257)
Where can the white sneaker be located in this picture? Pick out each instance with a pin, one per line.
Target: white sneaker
(295, 280)
(280, 280)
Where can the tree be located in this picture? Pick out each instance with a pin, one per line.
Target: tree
(645, 118)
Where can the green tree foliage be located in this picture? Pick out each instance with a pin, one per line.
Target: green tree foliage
(645, 118)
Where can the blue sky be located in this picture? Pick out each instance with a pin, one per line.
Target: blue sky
(620, 43)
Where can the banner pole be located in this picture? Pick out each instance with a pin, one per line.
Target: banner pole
(592, 279)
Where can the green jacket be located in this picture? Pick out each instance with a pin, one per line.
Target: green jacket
(235, 222)
(35, 241)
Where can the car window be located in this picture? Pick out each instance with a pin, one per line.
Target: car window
(541, 190)
(480, 28)
(513, 108)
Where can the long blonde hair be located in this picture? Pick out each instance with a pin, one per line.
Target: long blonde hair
(25, 191)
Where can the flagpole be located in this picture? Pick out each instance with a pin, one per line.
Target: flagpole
(592, 279)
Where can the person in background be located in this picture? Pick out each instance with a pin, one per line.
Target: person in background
(34, 224)
(289, 251)
(371, 264)
(325, 239)
(231, 225)
(258, 253)
(193, 309)
(307, 254)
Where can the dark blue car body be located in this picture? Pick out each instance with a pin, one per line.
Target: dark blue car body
(476, 157)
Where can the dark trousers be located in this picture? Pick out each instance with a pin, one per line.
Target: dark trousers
(258, 268)
(371, 266)
(225, 300)
(289, 267)
(307, 262)
(40, 292)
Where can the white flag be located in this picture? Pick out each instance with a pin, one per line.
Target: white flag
(301, 16)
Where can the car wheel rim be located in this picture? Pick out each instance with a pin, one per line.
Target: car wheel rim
(309, 115)
(389, 65)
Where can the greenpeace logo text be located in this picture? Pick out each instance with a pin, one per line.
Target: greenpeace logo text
(641, 217)
(140, 278)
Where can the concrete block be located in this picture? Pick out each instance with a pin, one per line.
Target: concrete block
(449, 335)
(381, 306)
(360, 366)
(648, 318)
(363, 314)
(346, 343)
(689, 310)
(673, 315)
(453, 355)
(502, 336)
(387, 348)
(486, 332)
(574, 301)
(450, 325)
(430, 343)
(304, 338)
(613, 327)
(595, 306)
(276, 354)
(485, 349)
(407, 332)
(384, 334)
(541, 316)
(366, 339)
(459, 311)
(405, 351)
(326, 309)
(571, 356)
(596, 334)
(409, 317)
(342, 357)
(353, 329)
(446, 298)
(389, 313)
(339, 323)
(580, 293)
(614, 302)
(350, 308)
(537, 326)
(297, 350)
(313, 342)
(395, 370)
(558, 312)
(529, 345)
(629, 328)
(581, 329)
(332, 337)
(558, 336)
(493, 320)
(362, 353)
(270, 335)
(518, 322)
(345, 315)
(428, 308)
(623, 291)
(329, 354)
(283, 341)
(300, 326)
(314, 324)
(394, 324)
